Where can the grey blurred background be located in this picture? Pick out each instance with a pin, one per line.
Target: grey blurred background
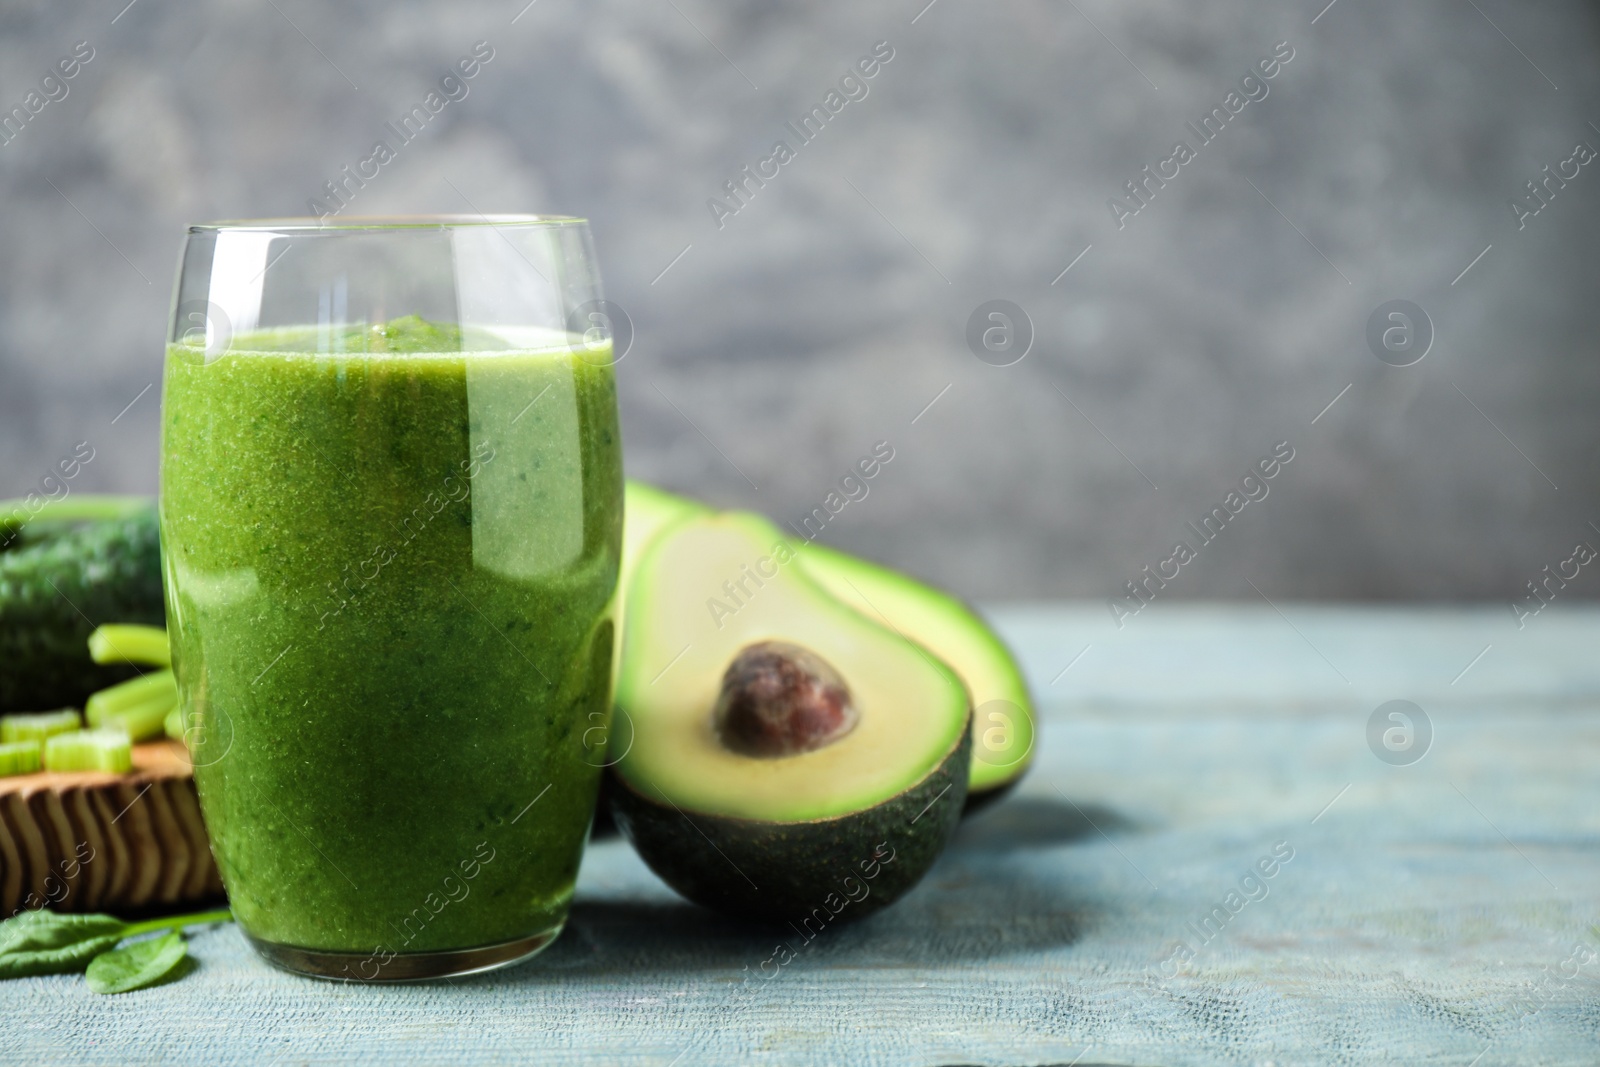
(832, 309)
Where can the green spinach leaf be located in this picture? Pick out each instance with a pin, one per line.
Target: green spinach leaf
(136, 966)
(43, 942)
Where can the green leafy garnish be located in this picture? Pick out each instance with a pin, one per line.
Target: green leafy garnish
(43, 942)
(408, 334)
(136, 966)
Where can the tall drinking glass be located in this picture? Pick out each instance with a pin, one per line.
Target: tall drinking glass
(391, 512)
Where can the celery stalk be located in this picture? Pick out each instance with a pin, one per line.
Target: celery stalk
(38, 725)
(129, 694)
(129, 643)
(142, 721)
(89, 750)
(19, 757)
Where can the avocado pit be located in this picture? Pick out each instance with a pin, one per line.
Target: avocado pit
(779, 699)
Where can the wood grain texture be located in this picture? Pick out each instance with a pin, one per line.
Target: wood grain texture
(1426, 913)
(91, 841)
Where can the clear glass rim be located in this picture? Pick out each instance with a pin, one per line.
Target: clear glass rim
(307, 224)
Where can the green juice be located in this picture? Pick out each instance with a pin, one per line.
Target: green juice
(391, 556)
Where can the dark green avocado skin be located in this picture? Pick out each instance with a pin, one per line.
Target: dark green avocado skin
(604, 825)
(56, 585)
(828, 870)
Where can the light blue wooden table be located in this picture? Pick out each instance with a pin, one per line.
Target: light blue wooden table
(1444, 912)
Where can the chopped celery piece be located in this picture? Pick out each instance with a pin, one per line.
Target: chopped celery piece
(89, 750)
(128, 643)
(142, 721)
(38, 725)
(18, 757)
(157, 685)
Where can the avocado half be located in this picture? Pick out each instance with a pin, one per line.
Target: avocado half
(647, 512)
(791, 759)
(1003, 719)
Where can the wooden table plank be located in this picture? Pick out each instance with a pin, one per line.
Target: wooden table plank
(1429, 915)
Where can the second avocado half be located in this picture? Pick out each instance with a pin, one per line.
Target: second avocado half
(791, 759)
(1003, 719)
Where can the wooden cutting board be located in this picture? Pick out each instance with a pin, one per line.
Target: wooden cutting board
(92, 841)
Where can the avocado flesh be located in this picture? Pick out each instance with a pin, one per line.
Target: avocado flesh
(845, 828)
(683, 628)
(1003, 724)
(1002, 711)
(646, 512)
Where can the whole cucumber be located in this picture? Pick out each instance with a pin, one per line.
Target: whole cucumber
(58, 581)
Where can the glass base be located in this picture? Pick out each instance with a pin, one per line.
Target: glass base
(402, 966)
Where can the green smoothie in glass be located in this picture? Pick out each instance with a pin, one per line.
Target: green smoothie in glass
(391, 553)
